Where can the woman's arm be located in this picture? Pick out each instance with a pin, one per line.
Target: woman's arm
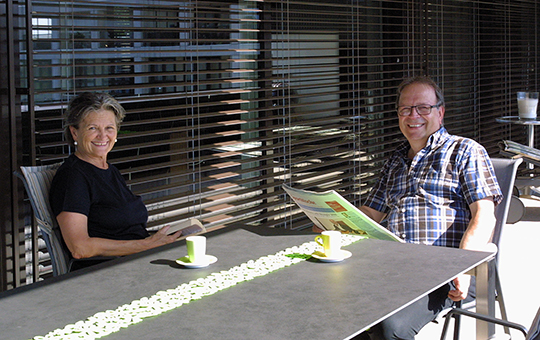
(74, 228)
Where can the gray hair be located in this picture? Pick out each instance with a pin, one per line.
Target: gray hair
(86, 103)
(421, 80)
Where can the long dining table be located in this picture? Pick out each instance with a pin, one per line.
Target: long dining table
(300, 299)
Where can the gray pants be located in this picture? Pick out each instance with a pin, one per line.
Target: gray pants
(405, 324)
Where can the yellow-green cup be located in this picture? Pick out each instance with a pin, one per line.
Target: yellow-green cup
(196, 249)
(330, 240)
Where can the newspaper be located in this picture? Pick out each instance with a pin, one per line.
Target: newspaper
(516, 149)
(330, 211)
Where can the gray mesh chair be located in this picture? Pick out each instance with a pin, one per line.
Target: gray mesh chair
(505, 171)
(37, 182)
(532, 334)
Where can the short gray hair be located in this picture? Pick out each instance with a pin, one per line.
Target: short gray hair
(422, 80)
(86, 103)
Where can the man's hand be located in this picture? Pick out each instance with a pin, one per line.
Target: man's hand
(316, 229)
(462, 284)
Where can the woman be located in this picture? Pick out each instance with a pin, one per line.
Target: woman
(97, 213)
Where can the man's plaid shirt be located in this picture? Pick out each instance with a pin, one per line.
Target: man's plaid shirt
(427, 199)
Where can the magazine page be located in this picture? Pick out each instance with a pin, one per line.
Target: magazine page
(189, 226)
(330, 211)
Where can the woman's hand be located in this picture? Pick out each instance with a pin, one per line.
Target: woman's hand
(160, 237)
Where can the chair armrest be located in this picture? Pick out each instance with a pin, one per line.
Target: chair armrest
(459, 311)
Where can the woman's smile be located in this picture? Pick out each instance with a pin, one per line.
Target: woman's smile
(95, 137)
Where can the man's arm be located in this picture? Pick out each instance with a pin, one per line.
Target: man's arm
(481, 225)
(476, 237)
(375, 215)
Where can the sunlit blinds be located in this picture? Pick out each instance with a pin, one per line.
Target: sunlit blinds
(228, 100)
(482, 54)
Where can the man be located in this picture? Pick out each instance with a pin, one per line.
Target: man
(436, 189)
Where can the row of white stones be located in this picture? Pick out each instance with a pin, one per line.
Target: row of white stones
(104, 323)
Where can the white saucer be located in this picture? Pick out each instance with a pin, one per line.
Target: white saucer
(184, 261)
(345, 254)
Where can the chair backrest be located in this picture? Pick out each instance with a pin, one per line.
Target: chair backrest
(505, 171)
(37, 182)
(534, 331)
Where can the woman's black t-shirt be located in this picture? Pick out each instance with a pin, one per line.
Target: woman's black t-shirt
(113, 211)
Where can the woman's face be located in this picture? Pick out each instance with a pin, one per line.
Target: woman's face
(95, 136)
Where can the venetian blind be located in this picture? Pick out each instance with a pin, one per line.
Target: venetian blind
(482, 53)
(227, 100)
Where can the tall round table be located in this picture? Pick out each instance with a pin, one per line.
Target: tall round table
(530, 123)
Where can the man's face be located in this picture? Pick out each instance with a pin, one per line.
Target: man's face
(415, 127)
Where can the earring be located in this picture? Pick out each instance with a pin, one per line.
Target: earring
(75, 142)
(116, 140)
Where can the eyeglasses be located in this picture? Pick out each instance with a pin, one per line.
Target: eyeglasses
(422, 110)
